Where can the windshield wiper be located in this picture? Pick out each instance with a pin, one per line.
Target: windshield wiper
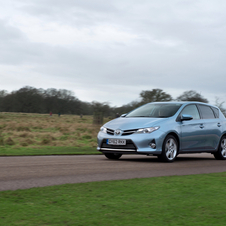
(140, 116)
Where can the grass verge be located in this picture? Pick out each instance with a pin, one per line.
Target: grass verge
(45, 150)
(178, 200)
(29, 133)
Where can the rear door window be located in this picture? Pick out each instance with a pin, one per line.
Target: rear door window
(206, 112)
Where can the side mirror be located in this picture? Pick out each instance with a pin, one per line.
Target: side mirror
(186, 117)
(123, 115)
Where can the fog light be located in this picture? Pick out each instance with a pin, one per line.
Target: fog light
(152, 145)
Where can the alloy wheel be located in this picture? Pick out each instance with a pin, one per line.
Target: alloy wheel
(171, 149)
(223, 147)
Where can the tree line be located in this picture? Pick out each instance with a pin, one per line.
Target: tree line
(32, 100)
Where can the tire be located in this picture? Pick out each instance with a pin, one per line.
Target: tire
(221, 153)
(169, 149)
(113, 156)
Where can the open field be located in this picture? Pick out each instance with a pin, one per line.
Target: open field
(176, 200)
(39, 133)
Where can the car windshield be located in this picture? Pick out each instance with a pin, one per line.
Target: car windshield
(155, 110)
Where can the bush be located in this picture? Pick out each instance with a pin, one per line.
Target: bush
(9, 141)
(1, 141)
(87, 137)
(23, 128)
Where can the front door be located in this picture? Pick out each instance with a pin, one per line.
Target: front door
(192, 131)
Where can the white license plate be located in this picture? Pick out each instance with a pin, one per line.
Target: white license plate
(116, 142)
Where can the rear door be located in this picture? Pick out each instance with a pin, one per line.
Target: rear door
(211, 126)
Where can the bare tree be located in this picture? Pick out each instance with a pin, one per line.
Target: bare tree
(192, 95)
(220, 105)
(3, 94)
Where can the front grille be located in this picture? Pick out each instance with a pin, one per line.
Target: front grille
(124, 133)
(129, 132)
(110, 131)
(129, 145)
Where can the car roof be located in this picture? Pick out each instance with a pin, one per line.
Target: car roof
(183, 102)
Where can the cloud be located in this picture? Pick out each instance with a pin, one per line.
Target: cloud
(112, 50)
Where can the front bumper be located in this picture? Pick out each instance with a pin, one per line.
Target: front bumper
(135, 143)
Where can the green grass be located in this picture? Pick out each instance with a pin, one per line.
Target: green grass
(47, 150)
(178, 200)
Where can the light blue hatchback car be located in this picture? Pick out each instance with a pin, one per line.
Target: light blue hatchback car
(165, 129)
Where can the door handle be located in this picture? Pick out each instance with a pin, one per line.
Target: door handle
(218, 124)
(201, 126)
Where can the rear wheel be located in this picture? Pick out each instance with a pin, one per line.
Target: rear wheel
(221, 153)
(169, 149)
(112, 155)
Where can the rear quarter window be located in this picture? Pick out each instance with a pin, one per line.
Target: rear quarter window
(216, 112)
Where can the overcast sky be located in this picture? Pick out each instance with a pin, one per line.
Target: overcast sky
(111, 50)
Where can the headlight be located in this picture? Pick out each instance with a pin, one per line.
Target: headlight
(103, 129)
(148, 130)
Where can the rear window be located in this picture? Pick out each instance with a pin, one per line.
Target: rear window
(206, 112)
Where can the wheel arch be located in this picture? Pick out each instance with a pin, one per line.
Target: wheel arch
(220, 154)
(177, 138)
(223, 135)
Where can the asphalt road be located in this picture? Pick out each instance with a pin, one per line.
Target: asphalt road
(40, 171)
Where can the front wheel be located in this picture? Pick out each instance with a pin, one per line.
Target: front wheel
(169, 149)
(113, 156)
(221, 153)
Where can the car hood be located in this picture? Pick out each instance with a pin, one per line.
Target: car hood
(133, 123)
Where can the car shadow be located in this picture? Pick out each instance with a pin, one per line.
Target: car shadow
(154, 159)
(147, 159)
(181, 158)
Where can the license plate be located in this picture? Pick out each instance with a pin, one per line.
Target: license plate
(116, 142)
